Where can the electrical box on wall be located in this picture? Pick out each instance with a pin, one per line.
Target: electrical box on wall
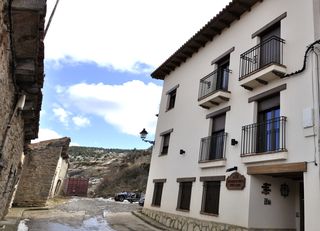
(308, 117)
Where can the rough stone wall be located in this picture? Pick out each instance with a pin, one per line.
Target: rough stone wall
(39, 172)
(12, 138)
(177, 222)
(188, 224)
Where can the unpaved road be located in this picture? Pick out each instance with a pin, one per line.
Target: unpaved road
(82, 214)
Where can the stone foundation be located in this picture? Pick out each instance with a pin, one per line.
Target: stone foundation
(188, 224)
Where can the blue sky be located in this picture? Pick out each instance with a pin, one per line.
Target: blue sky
(99, 56)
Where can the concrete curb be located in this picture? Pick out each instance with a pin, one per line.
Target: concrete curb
(150, 221)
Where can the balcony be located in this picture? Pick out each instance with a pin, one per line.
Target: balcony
(213, 89)
(262, 63)
(264, 141)
(212, 150)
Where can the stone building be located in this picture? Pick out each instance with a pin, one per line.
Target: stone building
(21, 80)
(44, 170)
(237, 139)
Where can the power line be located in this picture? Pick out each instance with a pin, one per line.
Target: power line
(50, 19)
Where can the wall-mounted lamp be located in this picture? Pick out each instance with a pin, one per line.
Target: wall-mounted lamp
(143, 135)
(234, 142)
(182, 152)
(284, 190)
(235, 168)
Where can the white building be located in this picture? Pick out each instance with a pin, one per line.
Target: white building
(241, 100)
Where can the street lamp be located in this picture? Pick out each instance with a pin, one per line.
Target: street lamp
(143, 135)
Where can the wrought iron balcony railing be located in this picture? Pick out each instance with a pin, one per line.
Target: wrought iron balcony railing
(213, 147)
(268, 136)
(216, 80)
(265, 53)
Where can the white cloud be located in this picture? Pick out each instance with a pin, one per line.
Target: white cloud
(74, 144)
(60, 89)
(62, 114)
(81, 121)
(129, 107)
(124, 34)
(46, 134)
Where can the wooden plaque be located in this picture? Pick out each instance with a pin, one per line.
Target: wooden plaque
(236, 181)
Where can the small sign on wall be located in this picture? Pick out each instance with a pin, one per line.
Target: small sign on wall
(236, 181)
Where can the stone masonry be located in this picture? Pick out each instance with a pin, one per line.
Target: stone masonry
(40, 172)
(11, 123)
(20, 87)
(188, 224)
(183, 223)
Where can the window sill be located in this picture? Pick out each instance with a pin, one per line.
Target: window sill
(212, 163)
(209, 214)
(264, 157)
(183, 210)
(163, 154)
(156, 206)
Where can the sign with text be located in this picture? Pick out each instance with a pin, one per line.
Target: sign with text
(236, 181)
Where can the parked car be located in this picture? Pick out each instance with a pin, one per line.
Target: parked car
(129, 196)
(141, 201)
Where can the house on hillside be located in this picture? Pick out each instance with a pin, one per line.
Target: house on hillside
(21, 80)
(237, 139)
(44, 171)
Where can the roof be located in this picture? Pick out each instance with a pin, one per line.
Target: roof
(27, 33)
(214, 27)
(61, 142)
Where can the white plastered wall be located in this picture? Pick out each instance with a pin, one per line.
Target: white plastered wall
(189, 120)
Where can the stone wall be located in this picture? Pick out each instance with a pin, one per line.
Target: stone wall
(188, 224)
(176, 222)
(11, 123)
(39, 172)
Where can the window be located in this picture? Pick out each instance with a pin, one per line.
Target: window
(211, 194)
(217, 137)
(157, 193)
(165, 142)
(184, 196)
(172, 99)
(269, 124)
(223, 73)
(270, 45)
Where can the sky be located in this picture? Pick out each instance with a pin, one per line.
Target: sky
(99, 55)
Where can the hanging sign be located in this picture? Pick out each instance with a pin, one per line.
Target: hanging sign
(236, 181)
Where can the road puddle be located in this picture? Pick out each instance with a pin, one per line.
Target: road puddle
(97, 223)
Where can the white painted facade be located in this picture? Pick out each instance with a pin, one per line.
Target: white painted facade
(245, 208)
(59, 177)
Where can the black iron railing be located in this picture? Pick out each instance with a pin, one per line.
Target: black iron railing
(268, 136)
(268, 52)
(213, 147)
(216, 80)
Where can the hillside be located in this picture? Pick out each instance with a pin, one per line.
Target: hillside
(110, 170)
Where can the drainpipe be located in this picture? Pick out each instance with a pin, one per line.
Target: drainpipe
(318, 94)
